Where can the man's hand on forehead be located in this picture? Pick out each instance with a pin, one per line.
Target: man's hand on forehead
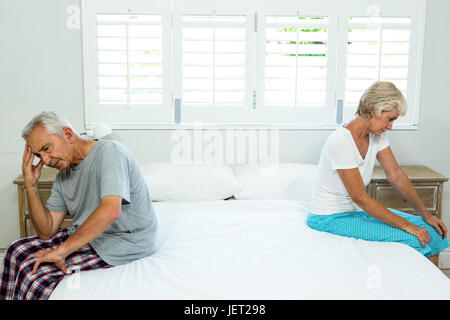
(31, 173)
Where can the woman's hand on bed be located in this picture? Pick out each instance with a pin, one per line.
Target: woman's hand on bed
(438, 224)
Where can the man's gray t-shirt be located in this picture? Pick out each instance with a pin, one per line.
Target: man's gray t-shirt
(109, 169)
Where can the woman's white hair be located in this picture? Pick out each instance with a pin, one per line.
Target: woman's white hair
(50, 121)
(381, 96)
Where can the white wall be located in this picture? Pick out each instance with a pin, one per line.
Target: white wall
(41, 68)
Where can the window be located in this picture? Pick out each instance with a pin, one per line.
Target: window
(285, 64)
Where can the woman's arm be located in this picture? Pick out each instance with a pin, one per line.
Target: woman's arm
(401, 183)
(354, 184)
(355, 187)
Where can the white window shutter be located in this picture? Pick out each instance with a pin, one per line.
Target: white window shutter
(296, 56)
(127, 62)
(377, 49)
(295, 61)
(382, 41)
(213, 60)
(285, 63)
(213, 55)
(129, 52)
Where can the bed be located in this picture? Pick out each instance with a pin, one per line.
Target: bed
(254, 246)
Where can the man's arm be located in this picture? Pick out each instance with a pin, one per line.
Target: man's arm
(45, 222)
(106, 213)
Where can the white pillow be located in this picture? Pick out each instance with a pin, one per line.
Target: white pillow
(282, 181)
(167, 181)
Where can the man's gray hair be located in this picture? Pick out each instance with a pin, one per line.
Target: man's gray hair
(50, 121)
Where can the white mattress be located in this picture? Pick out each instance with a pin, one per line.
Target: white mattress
(245, 249)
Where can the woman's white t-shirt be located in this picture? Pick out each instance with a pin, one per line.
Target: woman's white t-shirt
(340, 152)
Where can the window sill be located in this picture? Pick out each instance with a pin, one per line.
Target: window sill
(230, 126)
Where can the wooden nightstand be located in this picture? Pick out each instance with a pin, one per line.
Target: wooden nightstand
(45, 188)
(427, 182)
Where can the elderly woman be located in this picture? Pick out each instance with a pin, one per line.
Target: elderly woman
(340, 204)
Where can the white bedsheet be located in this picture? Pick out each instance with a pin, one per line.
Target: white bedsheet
(245, 249)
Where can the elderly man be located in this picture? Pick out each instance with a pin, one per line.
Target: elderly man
(101, 186)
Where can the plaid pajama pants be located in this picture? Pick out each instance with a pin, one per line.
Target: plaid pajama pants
(17, 281)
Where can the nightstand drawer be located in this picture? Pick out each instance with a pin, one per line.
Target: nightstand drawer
(30, 231)
(427, 183)
(391, 199)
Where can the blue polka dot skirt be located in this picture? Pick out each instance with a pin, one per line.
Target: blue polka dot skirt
(361, 225)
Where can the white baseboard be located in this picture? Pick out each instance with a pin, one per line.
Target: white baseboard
(444, 259)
